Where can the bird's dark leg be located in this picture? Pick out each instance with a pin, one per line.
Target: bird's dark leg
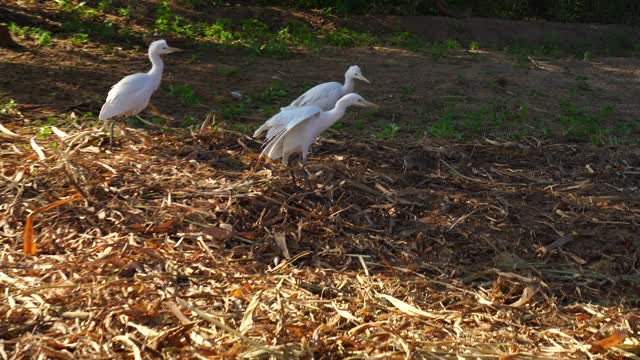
(113, 123)
(293, 178)
(305, 176)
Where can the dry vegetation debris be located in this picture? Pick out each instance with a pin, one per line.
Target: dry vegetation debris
(175, 248)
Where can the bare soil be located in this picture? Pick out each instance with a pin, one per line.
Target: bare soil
(486, 248)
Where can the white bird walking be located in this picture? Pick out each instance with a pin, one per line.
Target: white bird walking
(293, 130)
(326, 95)
(131, 94)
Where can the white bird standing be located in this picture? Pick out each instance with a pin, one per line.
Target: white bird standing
(131, 94)
(293, 130)
(326, 95)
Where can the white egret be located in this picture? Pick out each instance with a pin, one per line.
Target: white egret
(326, 95)
(131, 94)
(293, 130)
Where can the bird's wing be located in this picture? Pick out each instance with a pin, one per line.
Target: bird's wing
(276, 135)
(319, 95)
(126, 96)
(282, 119)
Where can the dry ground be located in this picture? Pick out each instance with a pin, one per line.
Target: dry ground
(489, 248)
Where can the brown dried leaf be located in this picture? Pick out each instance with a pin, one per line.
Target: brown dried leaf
(409, 309)
(29, 245)
(163, 228)
(218, 233)
(608, 342)
(281, 240)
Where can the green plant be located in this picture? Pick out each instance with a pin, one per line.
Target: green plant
(406, 40)
(474, 46)
(389, 130)
(444, 128)
(440, 49)
(582, 83)
(9, 108)
(408, 90)
(185, 93)
(581, 125)
(298, 33)
(79, 38)
(126, 12)
(275, 91)
(344, 37)
(41, 36)
(220, 31)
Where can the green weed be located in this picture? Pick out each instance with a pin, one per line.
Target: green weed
(582, 125)
(42, 37)
(389, 131)
(9, 108)
(474, 46)
(439, 49)
(582, 83)
(79, 38)
(344, 37)
(445, 128)
(408, 90)
(185, 93)
(274, 92)
(406, 40)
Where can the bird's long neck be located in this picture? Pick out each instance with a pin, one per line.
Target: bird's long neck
(349, 84)
(332, 116)
(156, 67)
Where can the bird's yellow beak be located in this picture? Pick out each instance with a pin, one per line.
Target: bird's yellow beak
(364, 79)
(371, 105)
(172, 49)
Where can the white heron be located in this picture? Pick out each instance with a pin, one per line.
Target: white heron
(293, 130)
(131, 94)
(326, 95)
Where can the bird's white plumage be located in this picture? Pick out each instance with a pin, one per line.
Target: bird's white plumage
(294, 130)
(131, 94)
(281, 119)
(326, 95)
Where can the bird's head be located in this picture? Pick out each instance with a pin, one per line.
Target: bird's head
(161, 47)
(354, 72)
(357, 100)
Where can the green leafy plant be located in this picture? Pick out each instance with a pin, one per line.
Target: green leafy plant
(79, 38)
(9, 108)
(406, 40)
(444, 128)
(344, 37)
(42, 37)
(389, 130)
(185, 93)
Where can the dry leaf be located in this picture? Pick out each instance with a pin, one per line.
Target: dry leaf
(9, 133)
(281, 240)
(218, 234)
(527, 294)
(37, 149)
(608, 342)
(163, 228)
(345, 314)
(29, 245)
(59, 133)
(247, 318)
(409, 309)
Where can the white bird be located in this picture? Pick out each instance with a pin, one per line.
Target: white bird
(131, 94)
(326, 95)
(293, 130)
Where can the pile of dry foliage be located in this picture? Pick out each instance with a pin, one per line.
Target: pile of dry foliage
(174, 245)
